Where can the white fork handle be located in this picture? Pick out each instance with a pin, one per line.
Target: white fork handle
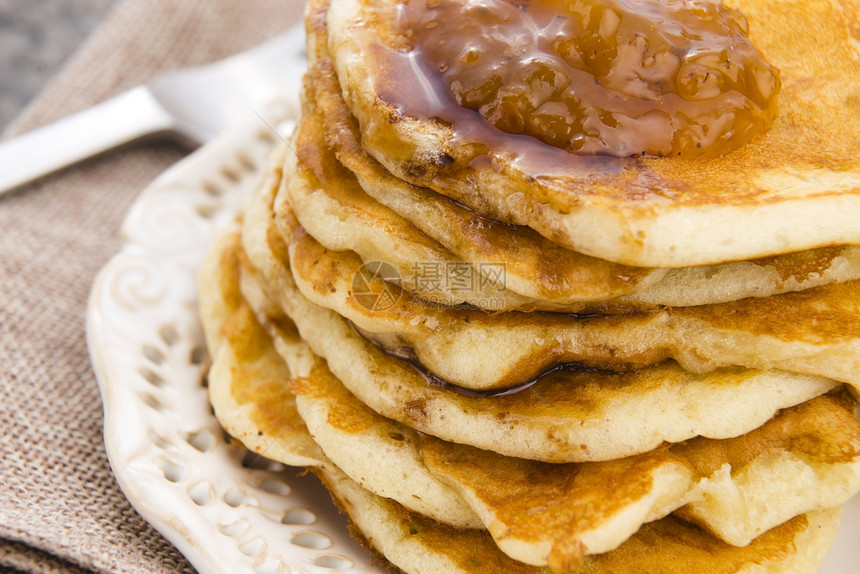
(121, 119)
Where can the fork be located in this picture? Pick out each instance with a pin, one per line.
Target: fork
(191, 104)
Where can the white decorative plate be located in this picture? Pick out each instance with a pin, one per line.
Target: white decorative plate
(227, 511)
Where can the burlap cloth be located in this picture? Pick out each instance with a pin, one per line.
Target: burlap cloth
(60, 507)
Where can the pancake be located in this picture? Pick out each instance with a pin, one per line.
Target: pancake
(536, 512)
(331, 207)
(337, 210)
(331, 204)
(816, 331)
(416, 544)
(791, 189)
(566, 416)
(248, 380)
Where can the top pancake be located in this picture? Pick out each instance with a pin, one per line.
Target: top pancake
(796, 187)
(365, 209)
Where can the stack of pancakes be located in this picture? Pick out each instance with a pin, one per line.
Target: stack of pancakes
(624, 370)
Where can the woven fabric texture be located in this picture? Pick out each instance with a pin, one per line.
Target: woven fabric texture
(61, 509)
